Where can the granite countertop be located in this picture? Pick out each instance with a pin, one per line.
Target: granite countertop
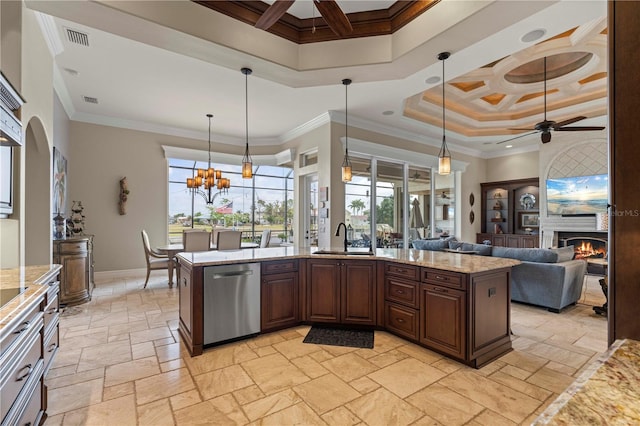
(607, 392)
(455, 262)
(33, 278)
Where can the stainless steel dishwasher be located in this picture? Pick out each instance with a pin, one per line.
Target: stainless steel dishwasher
(231, 302)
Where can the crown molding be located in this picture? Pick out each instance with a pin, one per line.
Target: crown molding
(50, 33)
(305, 128)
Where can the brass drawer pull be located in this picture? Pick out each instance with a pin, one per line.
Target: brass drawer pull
(52, 347)
(400, 291)
(441, 290)
(440, 277)
(25, 375)
(400, 320)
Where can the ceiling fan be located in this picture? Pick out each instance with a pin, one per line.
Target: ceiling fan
(329, 9)
(546, 126)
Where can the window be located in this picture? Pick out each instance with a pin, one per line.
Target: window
(249, 205)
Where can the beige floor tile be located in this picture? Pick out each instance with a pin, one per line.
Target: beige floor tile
(337, 350)
(157, 413)
(109, 320)
(149, 335)
(174, 364)
(74, 396)
(406, 377)
(168, 352)
(364, 385)
(384, 342)
(326, 393)
(265, 340)
(271, 404)
(349, 366)
(118, 391)
(185, 399)
(524, 360)
(294, 348)
(204, 413)
(228, 405)
(427, 421)
(491, 418)
(104, 355)
(220, 357)
(563, 356)
(163, 385)
(86, 341)
(447, 365)
(551, 380)
(61, 371)
(84, 331)
(561, 368)
(264, 351)
(132, 370)
(310, 366)
(502, 399)
(520, 385)
(274, 373)
(72, 379)
(321, 356)
(516, 372)
(221, 381)
(142, 350)
(120, 411)
(248, 394)
(340, 416)
(387, 358)
(299, 414)
(420, 353)
(445, 405)
(382, 407)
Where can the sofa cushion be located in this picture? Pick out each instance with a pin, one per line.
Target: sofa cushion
(433, 244)
(482, 249)
(539, 255)
(455, 245)
(565, 253)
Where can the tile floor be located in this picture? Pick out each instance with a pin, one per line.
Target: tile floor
(121, 363)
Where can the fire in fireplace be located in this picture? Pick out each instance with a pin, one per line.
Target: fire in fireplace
(586, 248)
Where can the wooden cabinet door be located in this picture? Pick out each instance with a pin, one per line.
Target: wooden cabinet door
(358, 301)
(513, 240)
(323, 290)
(529, 241)
(279, 300)
(499, 240)
(75, 271)
(443, 319)
(184, 295)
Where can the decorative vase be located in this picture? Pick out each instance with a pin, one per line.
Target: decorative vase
(77, 218)
(59, 227)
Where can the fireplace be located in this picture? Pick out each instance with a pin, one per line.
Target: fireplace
(587, 245)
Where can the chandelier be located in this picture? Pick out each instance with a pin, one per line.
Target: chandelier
(208, 178)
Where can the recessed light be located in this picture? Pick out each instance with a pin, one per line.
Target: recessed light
(433, 80)
(533, 35)
(509, 146)
(388, 112)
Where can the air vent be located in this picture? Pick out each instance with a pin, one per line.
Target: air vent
(77, 37)
(90, 100)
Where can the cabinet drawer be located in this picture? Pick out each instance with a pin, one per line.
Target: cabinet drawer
(33, 411)
(400, 270)
(448, 279)
(400, 291)
(73, 246)
(50, 346)
(15, 375)
(401, 320)
(51, 313)
(20, 329)
(279, 267)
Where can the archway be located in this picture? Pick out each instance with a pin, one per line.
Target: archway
(37, 194)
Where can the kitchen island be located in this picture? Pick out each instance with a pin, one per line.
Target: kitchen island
(455, 304)
(28, 340)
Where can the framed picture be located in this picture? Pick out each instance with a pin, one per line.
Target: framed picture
(59, 191)
(528, 219)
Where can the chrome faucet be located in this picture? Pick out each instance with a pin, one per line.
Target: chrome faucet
(345, 233)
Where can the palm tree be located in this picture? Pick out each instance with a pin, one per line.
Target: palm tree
(357, 205)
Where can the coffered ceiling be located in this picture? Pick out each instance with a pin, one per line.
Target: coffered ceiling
(161, 66)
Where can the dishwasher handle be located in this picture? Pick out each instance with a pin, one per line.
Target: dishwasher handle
(231, 274)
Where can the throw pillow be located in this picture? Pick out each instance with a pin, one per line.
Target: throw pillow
(564, 253)
(455, 245)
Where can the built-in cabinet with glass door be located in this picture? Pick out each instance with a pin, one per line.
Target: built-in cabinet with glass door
(510, 213)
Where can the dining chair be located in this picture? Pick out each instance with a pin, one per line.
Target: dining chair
(186, 231)
(266, 237)
(197, 241)
(154, 260)
(215, 232)
(229, 240)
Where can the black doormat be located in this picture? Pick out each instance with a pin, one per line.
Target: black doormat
(340, 337)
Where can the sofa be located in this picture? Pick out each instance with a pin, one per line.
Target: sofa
(546, 277)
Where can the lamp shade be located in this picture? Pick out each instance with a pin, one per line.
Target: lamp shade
(444, 165)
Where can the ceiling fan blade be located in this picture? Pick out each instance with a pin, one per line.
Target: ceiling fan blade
(569, 121)
(521, 128)
(579, 128)
(517, 137)
(334, 17)
(273, 14)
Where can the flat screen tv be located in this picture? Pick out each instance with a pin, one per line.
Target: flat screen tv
(577, 195)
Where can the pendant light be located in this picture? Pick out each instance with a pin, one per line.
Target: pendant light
(207, 177)
(247, 164)
(346, 163)
(444, 156)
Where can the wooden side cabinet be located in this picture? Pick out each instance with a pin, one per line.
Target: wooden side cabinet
(341, 291)
(76, 278)
(443, 319)
(279, 295)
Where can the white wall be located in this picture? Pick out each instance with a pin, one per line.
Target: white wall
(517, 166)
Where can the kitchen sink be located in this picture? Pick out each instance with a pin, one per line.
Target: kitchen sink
(344, 253)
